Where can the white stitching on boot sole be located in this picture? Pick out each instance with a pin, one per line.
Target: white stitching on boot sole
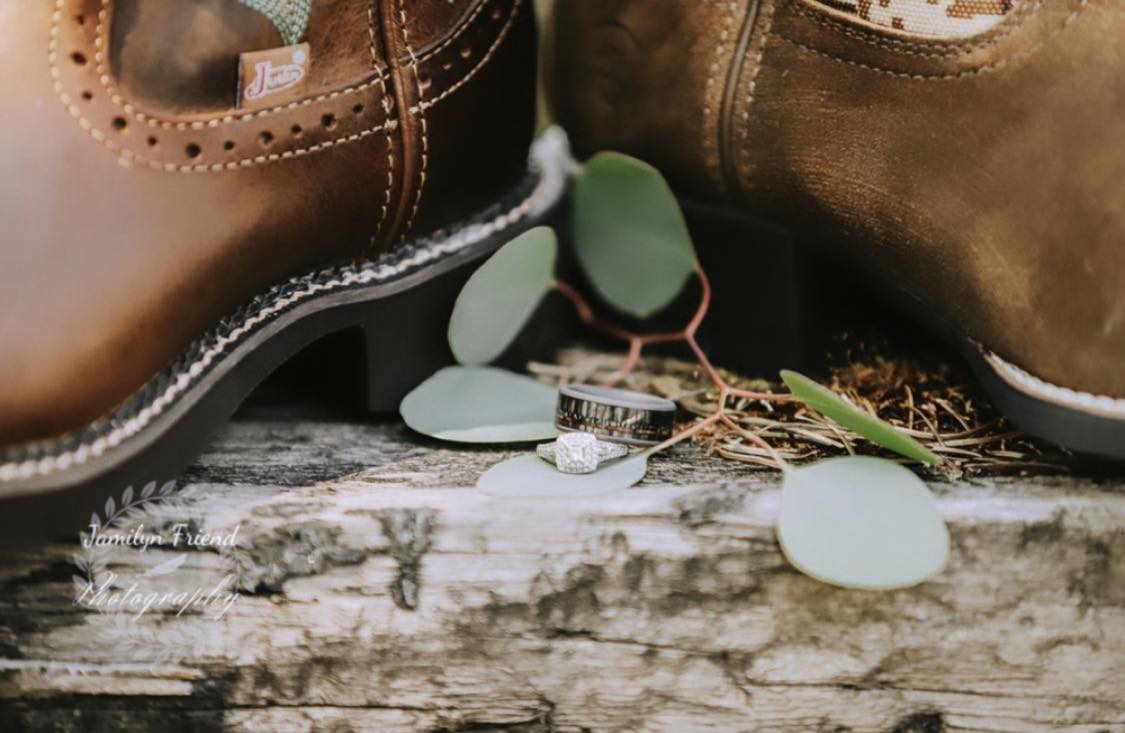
(1113, 407)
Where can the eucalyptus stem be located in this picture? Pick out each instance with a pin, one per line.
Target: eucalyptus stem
(684, 434)
(586, 313)
(637, 342)
(631, 359)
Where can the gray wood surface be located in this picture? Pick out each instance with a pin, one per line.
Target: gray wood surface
(384, 593)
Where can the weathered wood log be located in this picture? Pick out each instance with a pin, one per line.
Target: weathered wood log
(400, 598)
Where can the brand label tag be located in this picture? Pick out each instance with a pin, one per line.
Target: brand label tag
(272, 77)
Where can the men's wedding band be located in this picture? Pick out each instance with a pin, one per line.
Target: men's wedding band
(618, 415)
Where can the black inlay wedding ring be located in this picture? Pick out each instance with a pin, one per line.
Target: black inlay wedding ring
(618, 415)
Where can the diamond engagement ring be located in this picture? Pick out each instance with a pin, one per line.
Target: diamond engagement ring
(579, 452)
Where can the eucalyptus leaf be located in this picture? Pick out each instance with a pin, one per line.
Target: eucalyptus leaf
(831, 405)
(861, 522)
(481, 405)
(532, 477)
(630, 236)
(501, 296)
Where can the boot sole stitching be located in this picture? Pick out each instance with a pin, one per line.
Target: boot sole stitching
(1043, 390)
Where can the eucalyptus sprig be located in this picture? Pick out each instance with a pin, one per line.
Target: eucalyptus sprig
(846, 520)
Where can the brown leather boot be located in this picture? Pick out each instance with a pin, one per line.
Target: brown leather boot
(970, 154)
(194, 190)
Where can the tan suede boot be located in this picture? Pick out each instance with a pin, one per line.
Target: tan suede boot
(970, 154)
(191, 191)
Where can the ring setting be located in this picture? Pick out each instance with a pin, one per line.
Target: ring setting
(580, 453)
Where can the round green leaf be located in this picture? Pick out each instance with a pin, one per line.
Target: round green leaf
(861, 522)
(481, 405)
(531, 476)
(501, 295)
(630, 235)
(832, 406)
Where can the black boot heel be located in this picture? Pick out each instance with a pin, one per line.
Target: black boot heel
(773, 307)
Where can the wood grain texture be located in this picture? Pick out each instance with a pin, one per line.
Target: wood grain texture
(399, 598)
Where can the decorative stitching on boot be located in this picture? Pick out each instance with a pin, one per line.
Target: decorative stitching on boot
(924, 19)
(388, 105)
(457, 32)
(157, 122)
(43, 458)
(989, 67)
(154, 121)
(129, 157)
(867, 35)
(421, 112)
(770, 9)
(712, 158)
(483, 62)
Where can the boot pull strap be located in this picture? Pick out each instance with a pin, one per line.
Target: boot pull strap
(290, 17)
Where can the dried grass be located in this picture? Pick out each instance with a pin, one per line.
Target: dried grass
(932, 403)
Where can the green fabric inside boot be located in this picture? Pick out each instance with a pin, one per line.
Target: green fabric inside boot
(291, 17)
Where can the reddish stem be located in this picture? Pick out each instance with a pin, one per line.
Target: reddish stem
(660, 338)
(684, 434)
(635, 346)
(638, 341)
(706, 363)
(704, 304)
(586, 313)
(752, 395)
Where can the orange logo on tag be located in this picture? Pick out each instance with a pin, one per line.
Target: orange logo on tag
(269, 77)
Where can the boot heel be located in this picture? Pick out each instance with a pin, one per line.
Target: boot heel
(780, 301)
(405, 337)
(770, 307)
(756, 324)
(406, 334)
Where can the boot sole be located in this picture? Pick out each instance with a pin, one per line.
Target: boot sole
(401, 301)
(1081, 422)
